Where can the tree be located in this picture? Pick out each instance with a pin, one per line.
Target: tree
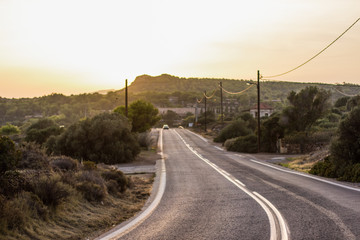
(345, 151)
(104, 138)
(306, 107)
(169, 117)
(270, 133)
(142, 115)
(41, 130)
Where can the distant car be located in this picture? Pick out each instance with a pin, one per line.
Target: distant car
(181, 127)
(165, 126)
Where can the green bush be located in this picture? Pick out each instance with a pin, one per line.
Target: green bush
(247, 144)
(118, 177)
(64, 163)
(324, 168)
(235, 129)
(41, 130)
(9, 155)
(105, 138)
(9, 129)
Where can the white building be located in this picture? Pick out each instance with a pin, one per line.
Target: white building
(265, 110)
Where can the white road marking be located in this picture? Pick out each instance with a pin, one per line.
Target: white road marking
(201, 137)
(219, 148)
(308, 176)
(145, 214)
(273, 214)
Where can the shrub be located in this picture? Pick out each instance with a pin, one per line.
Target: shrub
(9, 129)
(144, 140)
(324, 168)
(247, 144)
(41, 130)
(105, 138)
(91, 191)
(91, 185)
(351, 173)
(9, 155)
(33, 157)
(51, 190)
(228, 143)
(235, 129)
(14, 214)
(118, 177)
(12, 182)
(64, 163)
(89, 165)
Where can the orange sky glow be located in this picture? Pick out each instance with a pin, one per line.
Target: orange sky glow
(79, 46)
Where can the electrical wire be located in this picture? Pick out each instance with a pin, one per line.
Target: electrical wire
(315, 54)
(237, 92)
(212, 95)
(348, 95)
(199, 101)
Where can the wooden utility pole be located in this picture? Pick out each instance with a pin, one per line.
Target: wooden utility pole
(221, 104)
(258, 109)
(126, 98)
(205, 109)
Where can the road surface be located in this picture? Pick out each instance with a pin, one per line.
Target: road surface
(214, 194)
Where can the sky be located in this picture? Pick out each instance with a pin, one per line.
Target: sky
(81, 46)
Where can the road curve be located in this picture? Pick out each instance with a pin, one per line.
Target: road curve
(214, 194)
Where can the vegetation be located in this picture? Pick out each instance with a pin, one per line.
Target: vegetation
(104, 138)
(305, 108)
(142, 115)
(344, 160)
(234, 129)
(45, 197)
(41, 130)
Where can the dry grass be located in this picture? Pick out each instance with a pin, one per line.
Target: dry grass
(304, 163)
(79, 219)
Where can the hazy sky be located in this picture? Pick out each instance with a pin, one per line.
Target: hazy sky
(75, 46)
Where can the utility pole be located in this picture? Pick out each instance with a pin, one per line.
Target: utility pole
(196, 115)
(126, 98)
(205, 108)
(221, 104)
(258, 108)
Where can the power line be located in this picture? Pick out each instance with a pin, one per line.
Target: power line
(347, 95)
(237, 92)
(315, 54)
(212, 95)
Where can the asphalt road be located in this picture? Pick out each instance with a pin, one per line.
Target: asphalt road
(214, 194)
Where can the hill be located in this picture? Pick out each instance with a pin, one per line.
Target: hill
(269, 90)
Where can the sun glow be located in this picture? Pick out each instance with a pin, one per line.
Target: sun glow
(99, 44)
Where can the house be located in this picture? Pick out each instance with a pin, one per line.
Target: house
(265, 110)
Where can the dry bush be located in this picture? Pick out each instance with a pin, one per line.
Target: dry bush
(116, 181)
(89, 165)
(64, 163)
(91, 185)
(33, 157)
(12, 182)
(51, 190)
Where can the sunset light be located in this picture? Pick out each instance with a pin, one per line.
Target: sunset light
(83, 46)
